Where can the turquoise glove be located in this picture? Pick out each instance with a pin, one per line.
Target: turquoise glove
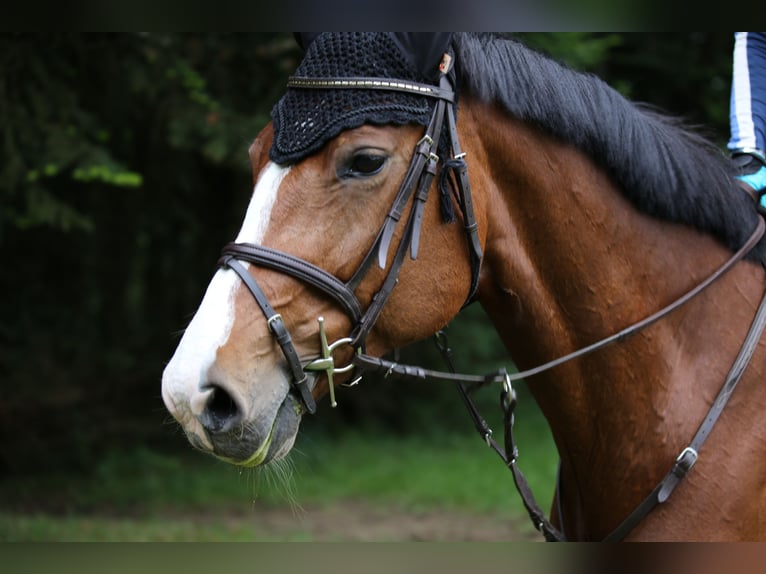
(757, 181)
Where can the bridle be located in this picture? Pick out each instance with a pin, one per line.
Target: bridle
(414, 189)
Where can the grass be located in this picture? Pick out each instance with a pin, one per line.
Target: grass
(456, 472)
(40, 527)
(145, 495)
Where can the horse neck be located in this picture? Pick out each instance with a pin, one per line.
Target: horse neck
(568, 261)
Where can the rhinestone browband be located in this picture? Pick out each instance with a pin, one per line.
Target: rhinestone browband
(370, 84)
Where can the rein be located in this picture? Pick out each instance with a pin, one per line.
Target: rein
(379, 365)
(414, 189)
(467, 384)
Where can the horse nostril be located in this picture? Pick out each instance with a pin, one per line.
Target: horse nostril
(221, 412)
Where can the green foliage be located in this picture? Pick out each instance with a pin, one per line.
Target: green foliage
(124, 494)
(41, 527)
(585, 51)
(47, 132)
(75, 110)
(125, 170)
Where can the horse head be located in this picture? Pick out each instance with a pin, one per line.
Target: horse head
(593, 219)
(339, 250)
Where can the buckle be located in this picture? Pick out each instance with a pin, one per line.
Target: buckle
(685, 461)
(271, 320)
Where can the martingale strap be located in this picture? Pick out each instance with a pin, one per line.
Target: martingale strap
(509, 454)
(688, 456)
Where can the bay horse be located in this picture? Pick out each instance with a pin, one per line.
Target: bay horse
(578, 214)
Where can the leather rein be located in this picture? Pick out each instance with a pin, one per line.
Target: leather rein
(414, 189)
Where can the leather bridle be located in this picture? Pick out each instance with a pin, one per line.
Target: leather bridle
(414, 189)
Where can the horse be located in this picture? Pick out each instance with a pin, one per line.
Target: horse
(572, 215)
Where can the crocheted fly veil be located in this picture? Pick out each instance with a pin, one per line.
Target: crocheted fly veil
(306, 119)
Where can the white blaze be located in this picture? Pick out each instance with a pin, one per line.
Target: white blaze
(211, 325)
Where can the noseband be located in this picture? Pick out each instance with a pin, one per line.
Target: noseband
(414, 189)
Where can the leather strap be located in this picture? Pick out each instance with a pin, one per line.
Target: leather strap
(684, 461)
(417, 182)
(298, 268)
(299, 380)
(378, 365)
(752, 241)
(375, 364)
(419, 177)
(460, 169)
(510, 453)
(688, 456)
(423, 161)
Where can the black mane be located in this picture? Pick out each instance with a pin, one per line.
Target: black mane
(665, 169)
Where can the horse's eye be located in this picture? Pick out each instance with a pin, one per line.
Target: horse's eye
(364, 164)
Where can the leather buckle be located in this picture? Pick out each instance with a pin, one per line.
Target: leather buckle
(271, 320)
(685, 461)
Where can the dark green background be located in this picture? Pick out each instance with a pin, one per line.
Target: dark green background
(124, 170)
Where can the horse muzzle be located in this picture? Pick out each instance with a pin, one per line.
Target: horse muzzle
(221, 423)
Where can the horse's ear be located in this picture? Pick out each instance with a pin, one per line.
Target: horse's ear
(304, 39)
(424, 50)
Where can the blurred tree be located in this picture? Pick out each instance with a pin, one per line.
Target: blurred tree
(125, 170)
